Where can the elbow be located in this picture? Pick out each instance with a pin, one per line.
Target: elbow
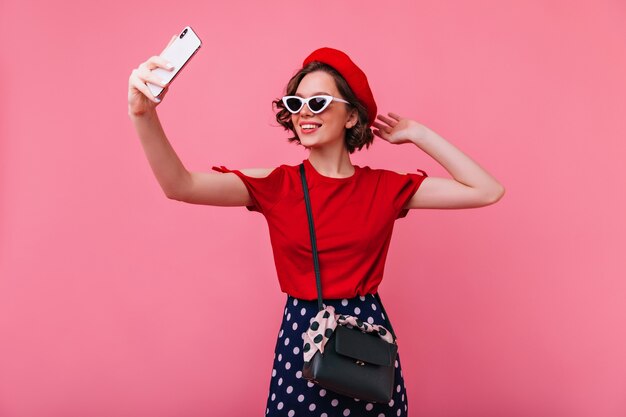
(173, 195)
(178, 191)
(496, 195)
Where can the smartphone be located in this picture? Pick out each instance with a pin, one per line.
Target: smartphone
(178, 54)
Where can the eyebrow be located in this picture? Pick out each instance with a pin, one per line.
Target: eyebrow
(315, 94)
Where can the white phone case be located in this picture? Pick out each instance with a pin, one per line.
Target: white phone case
(178, 53)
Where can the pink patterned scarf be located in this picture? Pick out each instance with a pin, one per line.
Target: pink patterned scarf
(324, 324)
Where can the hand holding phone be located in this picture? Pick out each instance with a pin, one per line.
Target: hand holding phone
(147, 80)
(178, 53)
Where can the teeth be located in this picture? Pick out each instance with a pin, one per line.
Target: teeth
(309, 126)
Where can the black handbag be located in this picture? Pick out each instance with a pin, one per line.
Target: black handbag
(354, 363)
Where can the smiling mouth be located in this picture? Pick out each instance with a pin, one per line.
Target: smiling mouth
(309, 127)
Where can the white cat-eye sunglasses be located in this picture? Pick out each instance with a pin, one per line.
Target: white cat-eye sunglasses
(317, 104)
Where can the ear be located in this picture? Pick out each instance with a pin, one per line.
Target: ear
(353, 119)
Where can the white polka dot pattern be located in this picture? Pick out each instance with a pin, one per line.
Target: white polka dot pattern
(290, 395)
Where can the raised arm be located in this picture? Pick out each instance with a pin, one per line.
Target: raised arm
(471, 186)
(175, 180)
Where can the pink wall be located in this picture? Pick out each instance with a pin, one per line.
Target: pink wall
(111, 294)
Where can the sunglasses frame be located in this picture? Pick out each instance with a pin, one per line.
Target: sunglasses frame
(304, 101)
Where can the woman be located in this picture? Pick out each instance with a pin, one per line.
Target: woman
(330, 110)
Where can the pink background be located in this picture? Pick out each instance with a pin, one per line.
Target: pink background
(115, 301)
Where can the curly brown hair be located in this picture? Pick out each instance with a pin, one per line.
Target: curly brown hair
(357, 136)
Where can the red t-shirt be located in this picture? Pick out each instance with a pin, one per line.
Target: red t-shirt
(353, 219)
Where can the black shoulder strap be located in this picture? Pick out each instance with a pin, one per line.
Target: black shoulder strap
(316, 263)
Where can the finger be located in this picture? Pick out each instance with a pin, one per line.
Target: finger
(387, 120)
(381, 127)
(157, 81)
(380, 134)
(159, 62)
(395, 116)
(379, 118)
(146, 91)
(150, 77)
(136, 82)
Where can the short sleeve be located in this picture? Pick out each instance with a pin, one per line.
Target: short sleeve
(402, 187)
(264, 191)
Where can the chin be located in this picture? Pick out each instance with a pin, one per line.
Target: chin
(309, 143)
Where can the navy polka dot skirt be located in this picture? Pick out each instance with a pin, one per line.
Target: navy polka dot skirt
(293, 396)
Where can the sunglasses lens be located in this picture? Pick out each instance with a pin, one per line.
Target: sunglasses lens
(293, 104)
(318, 104)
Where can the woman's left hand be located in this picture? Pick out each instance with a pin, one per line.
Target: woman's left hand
(398, 129)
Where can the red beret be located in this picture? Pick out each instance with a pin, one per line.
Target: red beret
(353, 75)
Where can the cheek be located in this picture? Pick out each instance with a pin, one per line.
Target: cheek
(294, 123)
(335, 123)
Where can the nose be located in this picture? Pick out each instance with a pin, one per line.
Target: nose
(305, 111)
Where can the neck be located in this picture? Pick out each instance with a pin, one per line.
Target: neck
(333, 163)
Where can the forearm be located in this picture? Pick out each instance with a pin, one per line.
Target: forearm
(166, 166)
(462, 168)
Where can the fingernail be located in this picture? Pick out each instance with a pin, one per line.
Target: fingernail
(170, 66)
